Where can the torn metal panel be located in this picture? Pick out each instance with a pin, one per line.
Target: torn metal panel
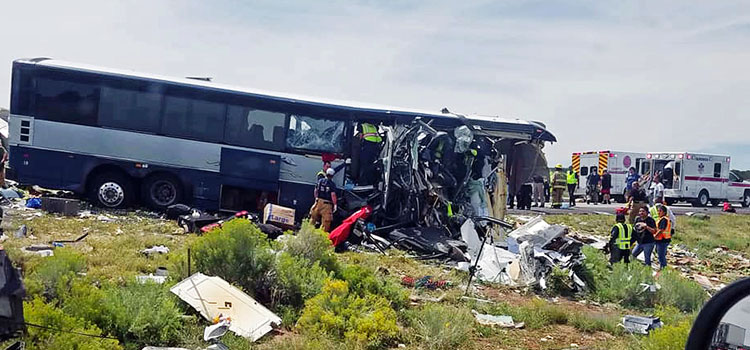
(212, 296)
(640, 324)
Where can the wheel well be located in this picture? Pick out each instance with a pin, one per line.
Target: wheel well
(161, 173)
(101, 169)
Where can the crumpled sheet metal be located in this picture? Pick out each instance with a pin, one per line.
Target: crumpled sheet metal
(640, 324)
(212, 296)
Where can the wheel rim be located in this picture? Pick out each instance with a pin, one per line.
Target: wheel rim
(704, 199)
(747, 200)
(163, 192)
(111, 194)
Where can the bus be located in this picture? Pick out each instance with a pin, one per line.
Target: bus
(123, 138)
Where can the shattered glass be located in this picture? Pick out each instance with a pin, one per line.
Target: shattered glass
(464, 136)
(315, 134)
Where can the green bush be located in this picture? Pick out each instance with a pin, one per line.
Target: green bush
(680, 292)
(312, 245)
(362, 280)
(536, 314)
(591, 323)
(137, 314)
(239, 253)
(54, 275)
(668, 337)
(440, 327)
(559, 283)
(297, 280)
(595, 267)
(342, 315)
(37, 312)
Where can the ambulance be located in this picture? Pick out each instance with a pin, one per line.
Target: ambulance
(698, 178)
(617, 164)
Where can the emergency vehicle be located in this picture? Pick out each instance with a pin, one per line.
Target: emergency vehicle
(698, 178)
(617, 164)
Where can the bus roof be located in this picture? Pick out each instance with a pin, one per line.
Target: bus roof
(534, 130)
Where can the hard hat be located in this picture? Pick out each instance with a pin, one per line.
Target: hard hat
(558, 166)
(330, 172)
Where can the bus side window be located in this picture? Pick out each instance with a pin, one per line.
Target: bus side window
(130, 109)
(66, 101)
(196, 119)
(315, 134)
(255, 128)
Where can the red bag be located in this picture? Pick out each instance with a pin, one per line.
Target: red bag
(341, 233)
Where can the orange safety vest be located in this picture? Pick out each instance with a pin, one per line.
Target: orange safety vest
(666, 233)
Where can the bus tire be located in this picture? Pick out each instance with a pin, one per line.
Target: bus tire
(702, 199)
(670, 201)
(111, 189)
(746, 199)
(159, 191)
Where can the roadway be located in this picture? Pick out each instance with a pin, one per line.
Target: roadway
(583, 208)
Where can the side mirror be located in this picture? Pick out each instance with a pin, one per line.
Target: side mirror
(724, 322)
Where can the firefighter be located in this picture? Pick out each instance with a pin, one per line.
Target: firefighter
(370, 147)
(620, 240)
(558, 186)
(321, 174)
(325, 201)
(572, 180)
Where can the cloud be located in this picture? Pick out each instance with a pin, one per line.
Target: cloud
(640, 76)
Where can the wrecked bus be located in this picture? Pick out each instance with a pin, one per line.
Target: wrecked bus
(123, 138)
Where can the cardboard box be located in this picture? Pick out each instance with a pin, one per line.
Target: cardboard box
(279, 216)
(65, 206)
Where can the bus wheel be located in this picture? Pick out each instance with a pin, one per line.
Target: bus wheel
(670, 201)
(746, 200)
(111, 190)
(702, 199)
(161, 191)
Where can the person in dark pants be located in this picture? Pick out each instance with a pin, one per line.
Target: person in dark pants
(370, 148)
(572, 180)
(606, 185)
(538, 191)
(663, 235)
(592, 187)
(619, 241)
(524, 196)
(645, 227)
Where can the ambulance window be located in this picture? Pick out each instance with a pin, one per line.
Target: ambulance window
(594, 170)
(717, 169)
(584, 171)
(645, 168)
(733, 177)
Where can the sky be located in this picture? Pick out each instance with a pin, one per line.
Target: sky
(623, 75)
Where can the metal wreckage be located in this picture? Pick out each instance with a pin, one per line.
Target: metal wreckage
(442, 195)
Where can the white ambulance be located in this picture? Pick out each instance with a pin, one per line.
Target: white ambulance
(698, 178)
(617, 164)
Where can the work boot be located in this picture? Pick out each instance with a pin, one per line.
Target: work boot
(535, 205)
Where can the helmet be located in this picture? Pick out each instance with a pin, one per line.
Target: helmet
(330, 172)
(558, 166)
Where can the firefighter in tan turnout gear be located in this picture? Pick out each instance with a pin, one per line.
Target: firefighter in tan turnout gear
(559, 182)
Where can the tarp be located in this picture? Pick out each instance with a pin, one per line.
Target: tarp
(212, 296)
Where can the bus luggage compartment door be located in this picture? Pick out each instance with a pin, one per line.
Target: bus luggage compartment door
(256, 170)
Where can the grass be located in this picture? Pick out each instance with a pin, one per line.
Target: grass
(112, 256)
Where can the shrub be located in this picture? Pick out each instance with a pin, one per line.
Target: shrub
(591, 323)
(312, 245)
(536, 314)
(336, 312)
(239, 253)
(668, 337)
(297, 280)
(680, 292)
(362, 280)
(138, 314)
(53, 276)
(37, 312)
(626, 285)
(559, 283)
(441, 327)
(594, 267)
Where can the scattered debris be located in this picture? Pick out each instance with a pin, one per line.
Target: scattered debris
(157, 249)
(142, 279)
(425, 282)
(39, 249)
(282, 217)
(491, 320)
(64, 206)
(105, 218)
(212, 296)
(417, 298)
(640, 324)
(21, 232)
(80, 238)
(34, 203)
(700, 216)
(12, 292)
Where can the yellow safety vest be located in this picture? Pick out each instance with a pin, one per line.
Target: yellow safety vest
(370, 133)
(654, 212)
(624, 236)
(572, 180)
